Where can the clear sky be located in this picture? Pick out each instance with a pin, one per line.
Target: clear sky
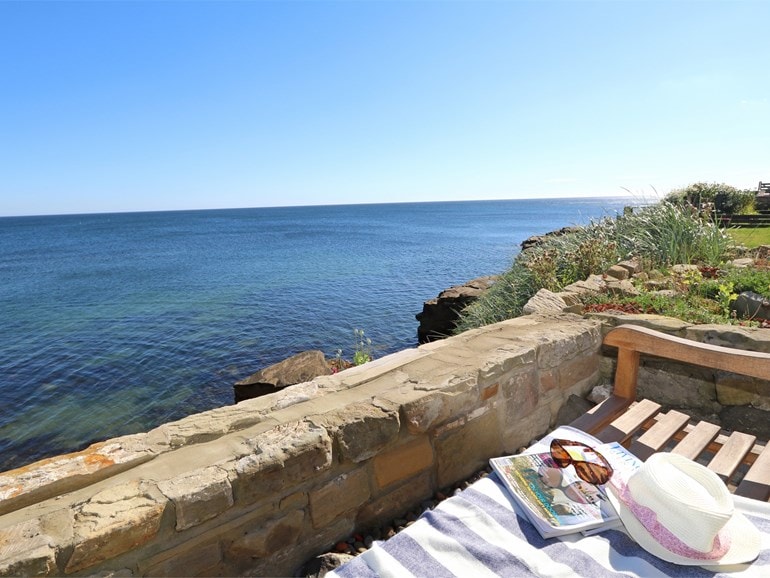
(118, 106)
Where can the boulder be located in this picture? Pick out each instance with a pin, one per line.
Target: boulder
(544, 301)
(439, 315)
(296, 369)
(750, 305)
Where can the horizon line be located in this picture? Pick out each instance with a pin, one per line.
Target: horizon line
(300, 206)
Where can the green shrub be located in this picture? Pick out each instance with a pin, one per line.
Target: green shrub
(749, 279)
(725, 199)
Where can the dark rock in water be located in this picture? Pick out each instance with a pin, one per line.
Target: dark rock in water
(439, 315)
(296, 369)
(750, 305)
(535, 240)
(319, 566)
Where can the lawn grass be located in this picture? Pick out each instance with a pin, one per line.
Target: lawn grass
(751, 237)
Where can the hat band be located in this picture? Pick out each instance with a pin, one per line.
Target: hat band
(665, 537)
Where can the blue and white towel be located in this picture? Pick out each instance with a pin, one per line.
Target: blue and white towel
(480, 533)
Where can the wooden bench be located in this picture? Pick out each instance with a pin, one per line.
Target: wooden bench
(738, 458)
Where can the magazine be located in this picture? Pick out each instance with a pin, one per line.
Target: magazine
(555, 499)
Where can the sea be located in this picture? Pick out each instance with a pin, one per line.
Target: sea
(112, 324)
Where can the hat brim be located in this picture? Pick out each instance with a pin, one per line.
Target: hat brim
(745, 539)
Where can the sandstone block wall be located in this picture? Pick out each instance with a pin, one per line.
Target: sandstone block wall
(258, 488)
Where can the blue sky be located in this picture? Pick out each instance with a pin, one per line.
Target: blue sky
(111, 106)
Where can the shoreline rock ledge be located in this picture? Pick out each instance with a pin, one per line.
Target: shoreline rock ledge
(439, 316)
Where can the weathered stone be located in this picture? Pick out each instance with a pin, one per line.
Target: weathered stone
(618, 272)
(423, 411)
(678, 386)
(282, 458)
(270, 538)
(622, 288)
(298, 368)
(501, 360)
(205, 558)
(544, 301)
(573, 408)
(403, 461)
(734, 389)
(742, 263)
(667, 293)
(576, 370)
(362, 430)
(27, 549)
(593, 284)
(748, 338)
(198, 495)
(750, 305)
(287, 561)
(746, 419)
(206, 426)
(343, 494)
(571, 299)
(439, 315)
(669, 325)
(561, 345)
(54, 476)
(632, 266)
(381, 509)
(321, 565)
(529, 428)
(461, 452)
(115, 521)
(683, 269)
(522, 393)
(600, 393)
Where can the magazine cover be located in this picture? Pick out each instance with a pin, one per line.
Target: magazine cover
(555, 499)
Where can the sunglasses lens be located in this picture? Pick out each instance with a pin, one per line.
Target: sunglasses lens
(592, 473)
(559, 454)
(587, 471)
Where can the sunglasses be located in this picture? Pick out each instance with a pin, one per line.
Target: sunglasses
(590, 472)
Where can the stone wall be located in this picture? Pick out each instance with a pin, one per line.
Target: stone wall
(258, 488)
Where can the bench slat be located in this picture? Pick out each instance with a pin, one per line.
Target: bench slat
(659, 435)
(600, 416)
(731, 455)
(621, 429)
(697, 440)
(756, 482)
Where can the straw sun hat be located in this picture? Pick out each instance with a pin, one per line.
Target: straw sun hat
(682, 512)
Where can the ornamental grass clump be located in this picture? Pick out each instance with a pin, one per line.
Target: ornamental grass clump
(658, 235)
(665, 234)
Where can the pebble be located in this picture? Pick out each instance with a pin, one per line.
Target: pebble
(341, 547)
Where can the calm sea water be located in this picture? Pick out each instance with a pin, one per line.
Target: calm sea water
(115, 323)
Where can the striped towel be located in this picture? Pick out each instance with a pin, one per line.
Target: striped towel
(479, 532)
